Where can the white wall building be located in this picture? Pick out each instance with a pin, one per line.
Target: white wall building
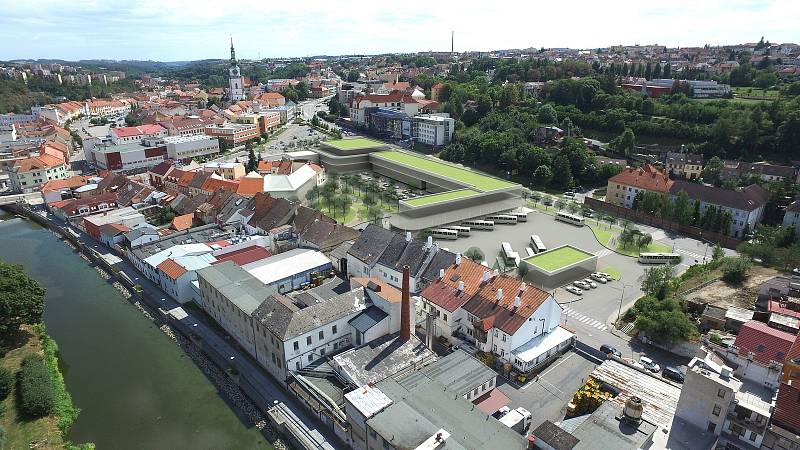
(191, 146)
(433, 129)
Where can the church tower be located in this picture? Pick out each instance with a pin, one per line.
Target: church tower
(235, 82)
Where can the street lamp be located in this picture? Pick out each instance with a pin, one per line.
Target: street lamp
(619, 312)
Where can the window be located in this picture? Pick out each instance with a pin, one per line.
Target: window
(322, 351)
(752, 436)
(308, 340)
(333, 329)
(760, 348)
(444, 316)
(296, 345)
(475, 392)
(737, 430)
(297, 365)
(711, 427)
(721, 393)
(717, 410)
(310, 357)
(321, 335)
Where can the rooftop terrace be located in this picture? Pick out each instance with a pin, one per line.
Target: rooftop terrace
(354, 144)
(462, 175)
(441, 197)
(557, 258)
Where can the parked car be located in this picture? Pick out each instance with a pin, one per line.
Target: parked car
(581, 284)
(649, 364)
(591, 283)
(609, 350)
(607, 276)
(588, 214)
(574, 290)
(673, 373)
(548, 202)
(569, 194)
(599, 278)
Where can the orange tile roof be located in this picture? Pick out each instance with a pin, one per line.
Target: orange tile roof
(37, 162)
(184, 222)
(250, 184)
(212, 184)
(387, 291)
(69, 183)
(172, 269)
(646, 177)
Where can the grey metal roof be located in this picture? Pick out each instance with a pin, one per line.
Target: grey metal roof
(237, 285)
(554, 436)
(421, 407)
(605, 429)
(368, 318)
(459, 371)
(381, 358)
(745, 199)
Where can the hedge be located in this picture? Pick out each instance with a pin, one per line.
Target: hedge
(35, 388)
(6, 383)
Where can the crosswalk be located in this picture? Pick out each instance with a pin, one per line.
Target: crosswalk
(585, 319)
(603, 252)
(691, 255)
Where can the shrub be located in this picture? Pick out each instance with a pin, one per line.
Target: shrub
(6, 383)
(35, 388)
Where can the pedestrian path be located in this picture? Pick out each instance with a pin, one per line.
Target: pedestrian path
(603, 252)
(585, 319)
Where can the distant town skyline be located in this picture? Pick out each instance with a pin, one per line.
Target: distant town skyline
(180, 30)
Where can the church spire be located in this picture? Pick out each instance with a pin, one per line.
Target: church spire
(233, 53)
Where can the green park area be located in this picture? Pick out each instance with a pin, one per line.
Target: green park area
(351, 200)
(558, 258)
(441, 197)
(476, 180)
(354, 144)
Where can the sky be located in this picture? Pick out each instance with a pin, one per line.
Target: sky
(178, 30)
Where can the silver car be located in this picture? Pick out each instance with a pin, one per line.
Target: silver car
(591, 283)
(574, 290)
(582, 284)
(599, 278)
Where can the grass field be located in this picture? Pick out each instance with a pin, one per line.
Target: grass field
(441, 197)
(654, 247)
(354, 144)
(558, 258)
(755, 92)
(613, 271)
(474, 179)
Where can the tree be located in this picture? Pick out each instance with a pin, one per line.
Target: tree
(6, 383)
(657, 280)
(681, 211)
(663, 320)
(352, 76)
(765, 80)
(789, 132)
(735, 269)
(131, 120)
(562, 175)
(542, 176)
(712, 172)
(475, 254)
(21, 300)
(643, 241)
(252, 162)
(35, 388)
(547, 115)
(522, 270)
(718, 253)
(625, 143)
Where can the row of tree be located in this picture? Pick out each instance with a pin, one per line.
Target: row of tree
(683, 210)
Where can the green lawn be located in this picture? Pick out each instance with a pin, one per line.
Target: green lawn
(474, 179)
(613, 271)
(602, 234)
(654, 247)
(354, 144)
(755, 92)
(441, 197)
(555, 259)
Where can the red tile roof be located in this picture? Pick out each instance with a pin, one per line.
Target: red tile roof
(793, 356)
(776, 307)
(184, 222)
(647, 177)
(766, 343)
(244, 255)
(491, 401)
(787, 405)
(141, 130)
(387, 291)
(69, 183)
(172, 269)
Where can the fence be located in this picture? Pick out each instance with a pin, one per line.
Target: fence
(667, 225)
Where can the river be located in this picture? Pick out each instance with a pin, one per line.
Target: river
(135, 387)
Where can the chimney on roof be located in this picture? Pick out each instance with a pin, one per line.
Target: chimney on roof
(408, 236)
(458, 258)
(429, 244)
(499, 294)
(460, 286)
(405, 305)
(441, 273)
(485, 276)
(522, 287)
(517, 302)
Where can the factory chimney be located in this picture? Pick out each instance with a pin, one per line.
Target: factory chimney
(405, 307)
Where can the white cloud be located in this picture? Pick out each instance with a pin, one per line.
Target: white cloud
(181, 30)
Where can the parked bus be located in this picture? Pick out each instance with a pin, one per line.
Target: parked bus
(659, 258)
(462, 231)
(537, 245)
(570, 218)
(509, 254)
(529, 251)
(521, 216)
(444, 233)
(503, 218)
(478, 224)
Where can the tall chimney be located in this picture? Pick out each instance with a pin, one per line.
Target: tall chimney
(405, 307)
(499, 294)
(408, 236)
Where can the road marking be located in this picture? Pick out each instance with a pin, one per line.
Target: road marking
(688, 253)
(603, 252)
(557, 364)
(585, 319)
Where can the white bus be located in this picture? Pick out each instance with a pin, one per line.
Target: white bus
(509, 254)
(537, 245)
(444, 233)
(462, 231)
(659, 258)
(478, 224)
(570, 218)
(503, 218)
(521, 216)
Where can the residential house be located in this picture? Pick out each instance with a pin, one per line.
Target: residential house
(29, 174)
(684, 165)
(623, 187)
(746, 205)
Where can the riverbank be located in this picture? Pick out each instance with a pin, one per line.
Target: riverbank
(136, 389)
(50, 431)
